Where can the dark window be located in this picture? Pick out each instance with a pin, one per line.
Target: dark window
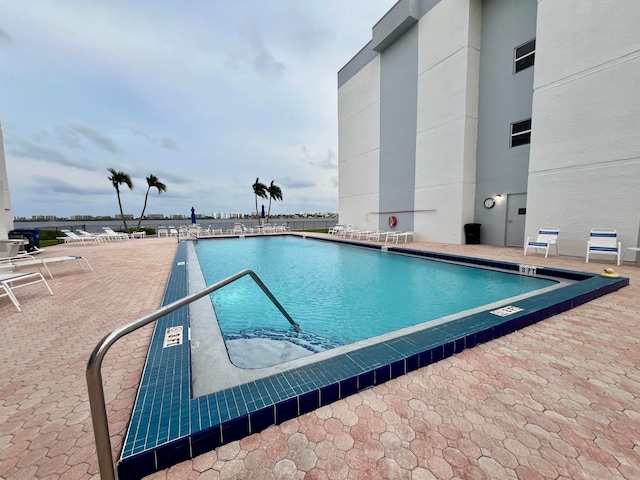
(521, 133)
(525, 56)
(522, 211)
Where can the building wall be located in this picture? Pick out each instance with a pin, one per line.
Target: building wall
(584, 167)
(398, 99)
(359, 147)
(505, 97)
(6, 216)
(448, 66)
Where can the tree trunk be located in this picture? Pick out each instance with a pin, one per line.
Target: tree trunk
(143, 209)
(122, 212)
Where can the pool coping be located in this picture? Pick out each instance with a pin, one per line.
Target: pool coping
(168, 426)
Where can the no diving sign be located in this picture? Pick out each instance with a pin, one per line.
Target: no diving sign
(172, 337)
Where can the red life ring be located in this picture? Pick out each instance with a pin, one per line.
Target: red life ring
(393, 221)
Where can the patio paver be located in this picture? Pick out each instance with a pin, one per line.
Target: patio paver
(558, 399)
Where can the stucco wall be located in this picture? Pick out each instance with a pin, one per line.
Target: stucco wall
(448, 63)
(584, 168)
(359, 147)
(398, 97)
(505, 97)
(6, 218)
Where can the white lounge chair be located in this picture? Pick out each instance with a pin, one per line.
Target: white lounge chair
(604, 241)
(398, 235)
(547, 236)
(173, 232)
(100, 238)
(10, 281)
(163, 232)
(379, 235)
(28, 260)
(72, 237)
(335, 229)
(113, 235)
(6, 292)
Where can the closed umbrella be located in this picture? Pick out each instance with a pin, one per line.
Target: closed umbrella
(193, 215)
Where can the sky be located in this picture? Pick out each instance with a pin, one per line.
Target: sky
(205, 95)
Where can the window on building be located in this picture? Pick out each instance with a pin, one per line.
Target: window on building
(521, 133)
(524, 56)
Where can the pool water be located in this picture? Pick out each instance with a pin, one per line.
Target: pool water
(341, 294)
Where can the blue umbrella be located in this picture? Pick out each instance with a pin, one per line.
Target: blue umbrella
(262, 214)
(193, 215)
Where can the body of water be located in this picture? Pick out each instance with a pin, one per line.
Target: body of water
(96, 226)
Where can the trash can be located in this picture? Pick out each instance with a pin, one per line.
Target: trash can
(30, 234)
(472, 233)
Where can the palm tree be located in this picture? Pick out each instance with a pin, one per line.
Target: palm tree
(275, 193)
(259, 190)
(152, 181)
(117, 179)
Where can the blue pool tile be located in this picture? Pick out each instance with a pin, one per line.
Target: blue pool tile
(286, 410)
(365, 380)
(138, 466)
(412, 363)
(173, 453)
(329, 394)
(437, 353)
(382, 374)
(204, 441)
(235, 429)
(348, 387)
(397, 368)
(262, 419)
(425, 358)
(309, 401)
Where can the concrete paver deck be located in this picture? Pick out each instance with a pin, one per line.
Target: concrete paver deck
(558, 399)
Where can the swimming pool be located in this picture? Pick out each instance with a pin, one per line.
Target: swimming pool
(170, 425)
(339, 294)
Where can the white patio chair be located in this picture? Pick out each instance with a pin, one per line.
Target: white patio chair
(604, 241)
(547, 236)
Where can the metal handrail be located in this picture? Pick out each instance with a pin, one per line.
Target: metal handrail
(94, 374)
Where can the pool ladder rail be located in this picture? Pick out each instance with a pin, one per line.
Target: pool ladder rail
(94, 373)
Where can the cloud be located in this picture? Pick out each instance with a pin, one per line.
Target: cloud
(264, 63)
(165, 142)
(28, 149)
(295, 183)
(326, 160)
(5, 39)
(55, 185)
(68, 137)
(169, 143)
(94, 136)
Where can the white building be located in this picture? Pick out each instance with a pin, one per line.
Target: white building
(531, 105)
(6, 221)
